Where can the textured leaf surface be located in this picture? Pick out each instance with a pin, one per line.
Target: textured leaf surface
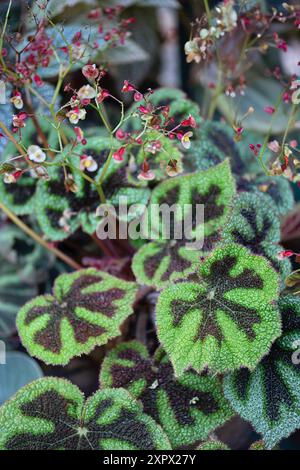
(160, 262)
(60, 213)
(279, 188)
(254, 224)
(258, 445)
(86, 309)
(268, 397)
(53, 201)
(158, 162)
(225, 318)
(19, 196)
(188, 409)
(213, 445)
(51, 414)
(19, 370)
(214, 143)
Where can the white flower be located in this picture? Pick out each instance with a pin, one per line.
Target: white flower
(36, 154)
(17, 101)
(9, 178)
(274, 146)
(86, 92)
(227, 15)
(88, 163)
(185, 140)
(75, 114)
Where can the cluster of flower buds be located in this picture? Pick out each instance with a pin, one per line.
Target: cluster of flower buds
(153, 118)
(119, 32)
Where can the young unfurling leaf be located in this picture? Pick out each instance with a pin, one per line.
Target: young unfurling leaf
(86, 309)
(52, 414)
(268, 397)
(188, 408)
(225, 317)
(159, 262)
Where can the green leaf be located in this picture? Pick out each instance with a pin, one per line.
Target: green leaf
(158, 162)
(60, 213)
(254, 224)
(213, 444)
(159, 262)
(19, 370)
(20, 196)
(225, 318)
(258, 445)
(86, 309)
(214, 143)
(187, 409)
(279, 188)
(269, 397)
(52, 414)
(292, 283)
(54, 203)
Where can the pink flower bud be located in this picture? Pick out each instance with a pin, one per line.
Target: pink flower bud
(127, 87)
(269, 109)
(118, 156)
(137, 96)
(38, 81)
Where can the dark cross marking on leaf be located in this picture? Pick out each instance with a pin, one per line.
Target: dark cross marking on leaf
(96, 302)
(177, 263)
(219, 282)
(122, 375)
(255, 238)
(182, 399)
(53, 407)
(276, 390)
(89, 200)
(211, 208)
